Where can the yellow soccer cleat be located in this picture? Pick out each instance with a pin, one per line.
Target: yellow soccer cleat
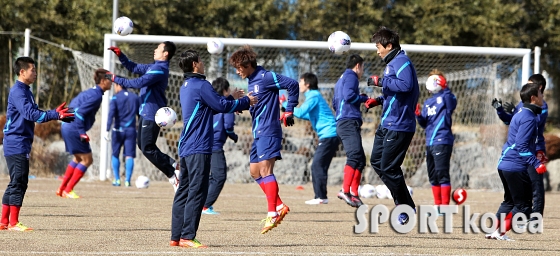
(19, 227)
(70, 194)
(269, 223)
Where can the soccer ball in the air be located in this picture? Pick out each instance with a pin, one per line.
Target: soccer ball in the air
(339, 42)
(215, 46)
(367, 191)
(123, 26)
(142, 182)
(166, 117)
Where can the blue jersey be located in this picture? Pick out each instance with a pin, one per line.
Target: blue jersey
(123, 110)
(400, 91)
(266, 114)
(317, 111)
(223, 128)
(199, 102)
(152, 84)
(85, 106)
(347, 99)
(506, 118)
(520, 148)
(436, 118)
(21, 115)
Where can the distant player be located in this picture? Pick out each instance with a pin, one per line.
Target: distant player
(223, 129)
(317, 111)
(85, 105)
(436, 118)
(267, 130)
(199, 102)
(21, 115)
(122, 112)
(152, 83)
(517, 154)
(398, 122)
(506, 113)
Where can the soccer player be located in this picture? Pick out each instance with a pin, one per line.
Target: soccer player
(346, 103)
(435, 118)
(123, 111)
(21, 115)
(267, 130)
(223, 129)
(199, 102)
(398, 122)
(152, 83)
(85, 106)
(317, 111)
(517, 154)
(537, 180)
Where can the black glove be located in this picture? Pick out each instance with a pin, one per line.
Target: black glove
(375, 81)
(69, 119)
(508, 107)
(497, 103)
(287, 118)
(234, 137)
(283, 109)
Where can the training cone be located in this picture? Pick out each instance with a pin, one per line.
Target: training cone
(299, 188)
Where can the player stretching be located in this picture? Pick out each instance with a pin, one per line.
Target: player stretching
(517, 154)
(21, 115)
(267, 130)
(152, 84)
(435, 117)
(85, 106)
(199, 102)
(398, 122)
(123, 108)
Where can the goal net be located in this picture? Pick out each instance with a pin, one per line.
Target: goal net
(475, 75)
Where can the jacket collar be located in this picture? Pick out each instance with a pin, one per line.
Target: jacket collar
(534, 108)
(190, 75)
(257, 71)
(391, 55)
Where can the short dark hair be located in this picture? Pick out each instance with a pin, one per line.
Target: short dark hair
(527, 91)
(538, 79)
(220, 85)
(99, 75)
(311, 80)
(353, 60)
(245, 56)
(170, 48)
(187, 59)
(22, 63)
(385, 36)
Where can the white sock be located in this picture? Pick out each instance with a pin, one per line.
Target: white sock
(279, 207)
(272, 214)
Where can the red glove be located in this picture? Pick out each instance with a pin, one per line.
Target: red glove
(287, 118)
(541, 169)
(84, 138)
(372, 102)
(64, 113)
(116, 50)
(542, 157)
(110, 76)
(375, 81)
(417, 111)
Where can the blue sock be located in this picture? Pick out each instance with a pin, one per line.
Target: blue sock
(116, 167)
(129, 167)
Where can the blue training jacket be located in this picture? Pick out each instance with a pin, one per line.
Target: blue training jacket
(85, 106)
(317, 111)
(400, 91)
(266, 113)
(347, 99)
(520, 148)
(506, 118)
(123, 110)
(199, 102)
(436, 118)
(223, 128)
(152, 84)
(21, 115)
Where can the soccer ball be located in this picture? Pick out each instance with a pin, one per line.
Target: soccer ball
(215, 46)
(142, 182)
(367, 191)
(166, 117)
(383, 192)
(123, 26)
(339, 42)
(435, 83)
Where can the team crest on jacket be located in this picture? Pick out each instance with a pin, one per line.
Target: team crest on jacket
(439, 100)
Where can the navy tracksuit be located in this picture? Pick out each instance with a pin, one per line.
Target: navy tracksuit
(398, 123)
(199, 102)
(536, 179)
(123, 111)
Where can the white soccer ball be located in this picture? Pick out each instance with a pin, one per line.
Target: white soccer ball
(215, 46)
(142, 182)
(123, 26)
(381, 191)
(339, 42)
(367, 191)
(435, 83)
(166, 117)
